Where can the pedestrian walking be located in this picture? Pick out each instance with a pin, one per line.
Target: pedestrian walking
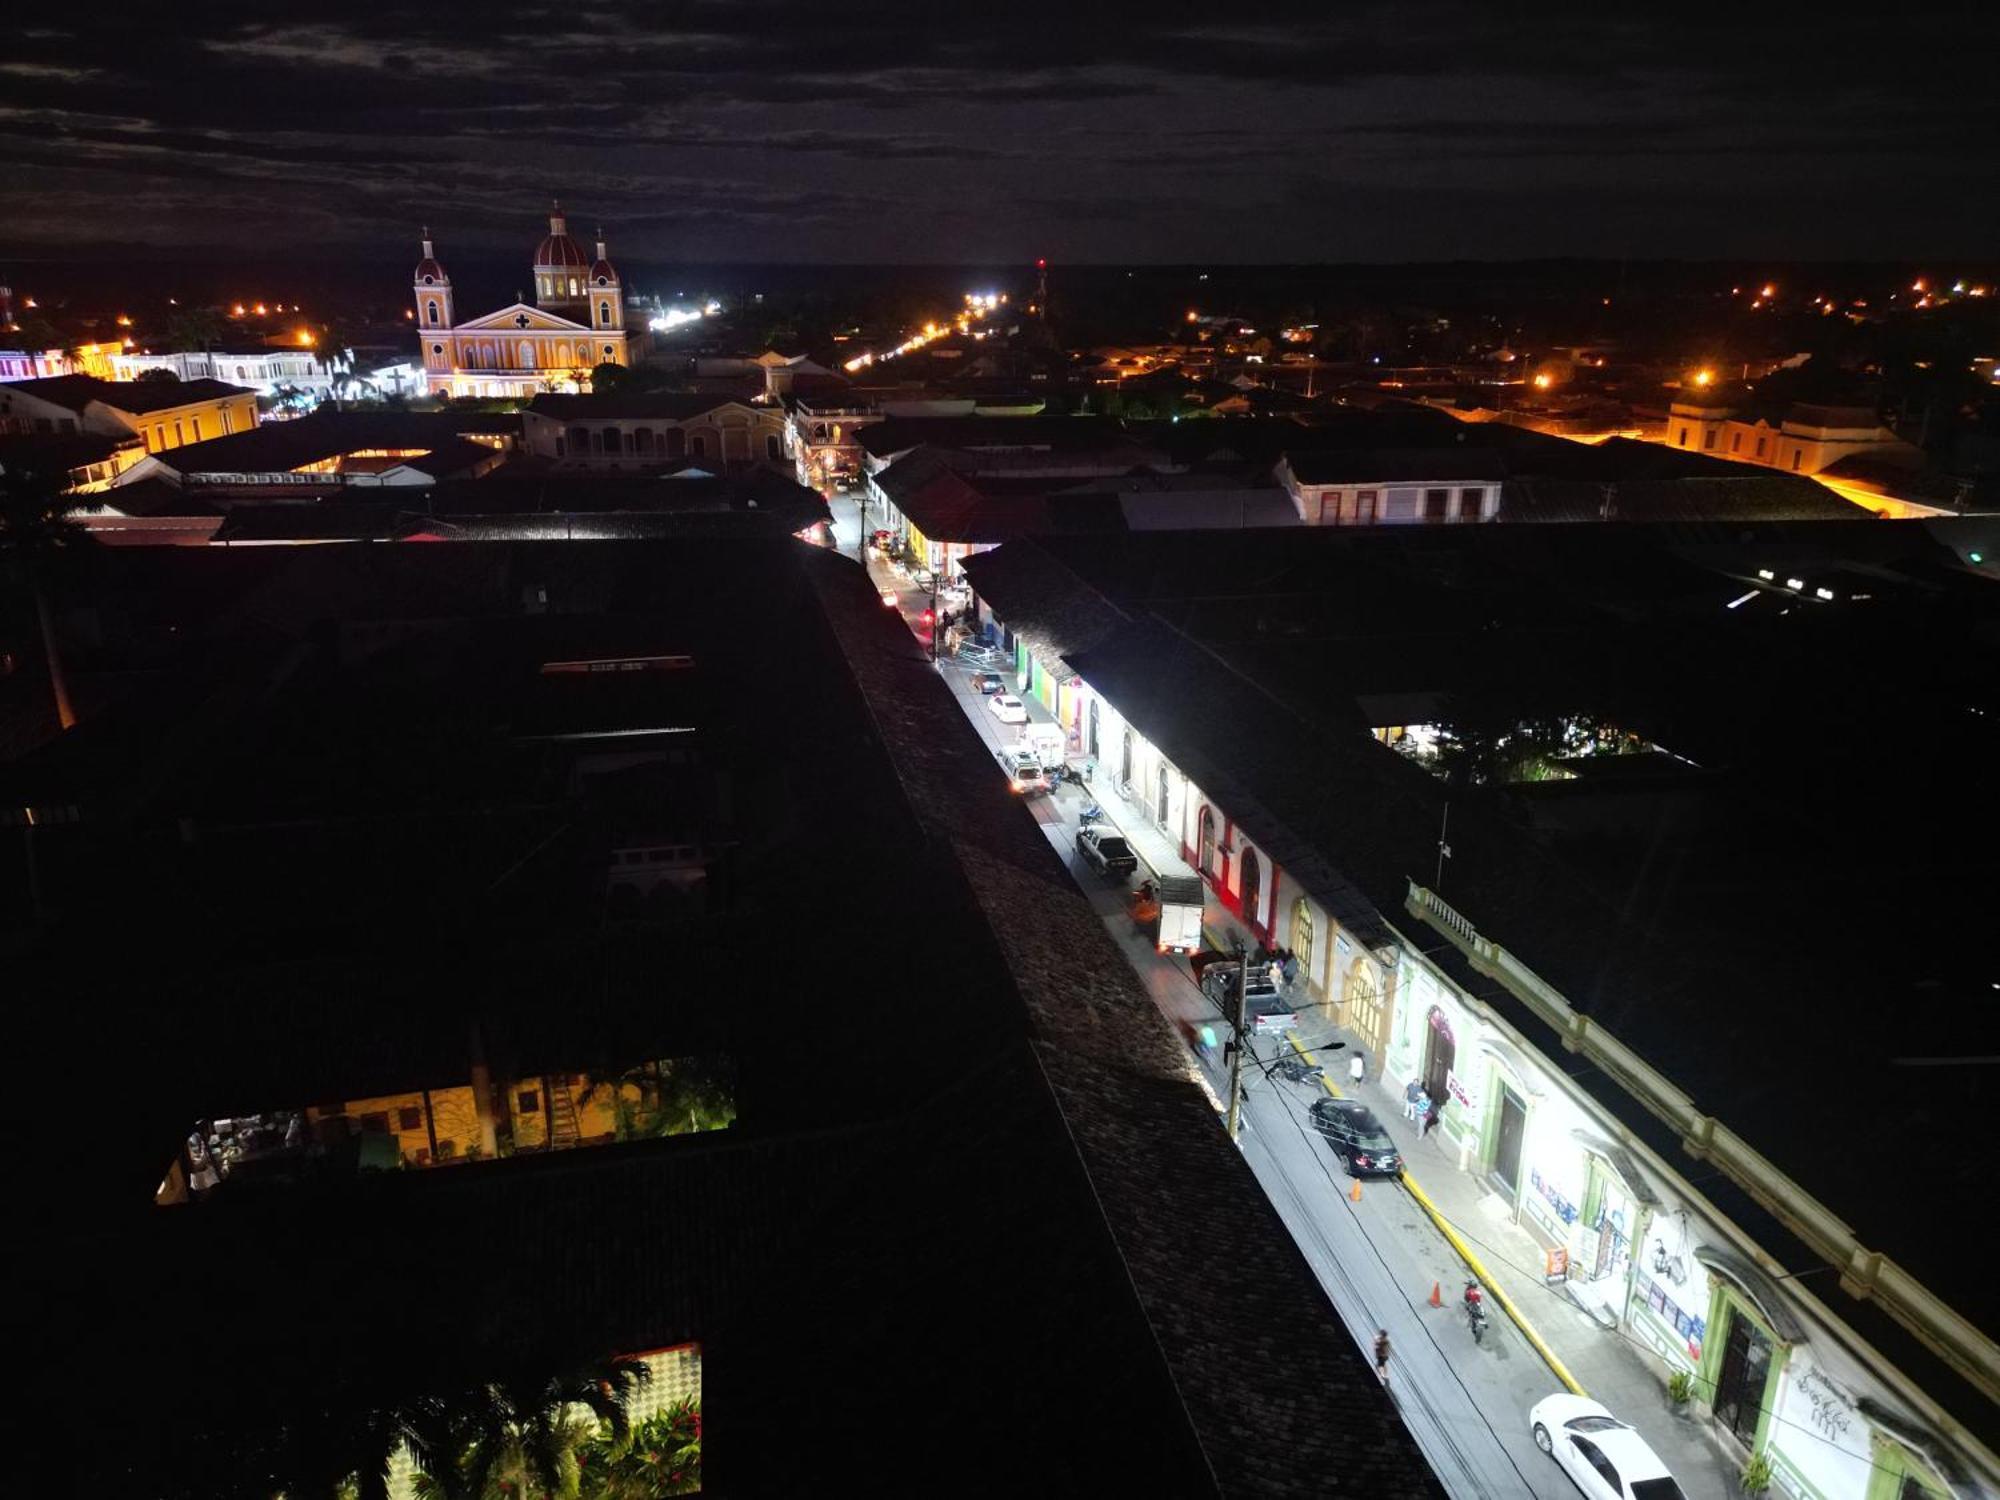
(1431, 1115)
(1382, 1355)
(1415, 1102)
(1357, 1067)
(1291, 968)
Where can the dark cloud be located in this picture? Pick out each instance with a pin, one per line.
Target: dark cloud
(1114, 130)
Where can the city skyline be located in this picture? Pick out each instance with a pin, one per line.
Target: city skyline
(893, 135)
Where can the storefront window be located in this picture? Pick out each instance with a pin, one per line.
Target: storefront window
(1302, 934)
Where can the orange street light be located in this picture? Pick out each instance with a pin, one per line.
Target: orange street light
(1770, 289)
(305, 336)
(1544, 380)
(1704, 377)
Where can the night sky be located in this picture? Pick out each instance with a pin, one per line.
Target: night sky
(934, 132)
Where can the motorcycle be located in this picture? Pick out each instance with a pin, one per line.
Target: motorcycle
(1475, 1311)
(1298, 1070)
(1091, 814)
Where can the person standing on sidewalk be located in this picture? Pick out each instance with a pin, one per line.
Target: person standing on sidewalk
(1431, 1116)
(1357, 1067)
(1382, 1355)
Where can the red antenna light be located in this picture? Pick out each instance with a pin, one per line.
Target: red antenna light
(1040, 264)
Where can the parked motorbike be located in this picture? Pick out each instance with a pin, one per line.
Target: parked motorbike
(1091, 814)
(1298, 1070)
(1475, 1311)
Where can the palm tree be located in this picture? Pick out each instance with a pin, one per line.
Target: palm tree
(36, 529)
(522, 1435)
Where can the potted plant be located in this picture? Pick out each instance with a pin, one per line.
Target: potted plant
(1680, 1387)
(1756, 1475)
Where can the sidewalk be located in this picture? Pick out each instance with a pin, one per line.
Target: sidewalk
(1602, 1361)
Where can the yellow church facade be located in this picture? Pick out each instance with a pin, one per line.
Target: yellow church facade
(576, 322)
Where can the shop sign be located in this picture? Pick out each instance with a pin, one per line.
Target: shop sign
(1555, 1266)
(1455, 1085)
(1439, 1024)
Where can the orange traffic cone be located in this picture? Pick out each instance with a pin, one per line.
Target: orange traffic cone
(1354, 1193)
(1437, 1295)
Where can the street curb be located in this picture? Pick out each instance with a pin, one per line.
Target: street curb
(1473, 1263)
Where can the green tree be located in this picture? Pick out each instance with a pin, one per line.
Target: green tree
(196, 328)
(522, 1436)
(37, 530)
(662, 1459)
(608, 377)
(158, 376)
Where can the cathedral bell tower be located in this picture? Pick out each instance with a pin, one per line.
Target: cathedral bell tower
(607, 295)
(433, 290)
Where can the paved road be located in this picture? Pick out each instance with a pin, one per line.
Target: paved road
(1378, 1258)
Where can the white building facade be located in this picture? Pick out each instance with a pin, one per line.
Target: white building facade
(1769, 1364)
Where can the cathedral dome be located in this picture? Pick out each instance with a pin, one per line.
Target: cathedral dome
(558, 252)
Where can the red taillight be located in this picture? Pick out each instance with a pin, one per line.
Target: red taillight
(927, 617)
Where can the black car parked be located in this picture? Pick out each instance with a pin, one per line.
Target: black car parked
(1357, 1138)
(1106, 851)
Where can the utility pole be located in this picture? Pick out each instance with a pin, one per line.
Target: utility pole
(935, 622)
(1236, 1045)
(1444, 849)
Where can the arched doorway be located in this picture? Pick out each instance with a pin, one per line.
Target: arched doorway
(1440, 1053)
(1090, 747)
(1205, 843)
(1302, 936)
(1160, 798)
(1364, 1008)
(1252, 887)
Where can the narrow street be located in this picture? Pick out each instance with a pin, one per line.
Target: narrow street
(1379, 1254)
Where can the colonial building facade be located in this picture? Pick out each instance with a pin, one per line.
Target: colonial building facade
(577, 322)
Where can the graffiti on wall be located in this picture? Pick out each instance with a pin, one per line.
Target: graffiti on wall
(1831, 1415)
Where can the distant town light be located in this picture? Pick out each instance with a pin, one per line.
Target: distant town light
(1704, 377)
(1823, 593)
(1767, 575)
(305, 336)
(1770, 289)
(1795, 583)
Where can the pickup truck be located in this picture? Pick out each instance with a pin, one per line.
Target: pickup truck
(1263, 1007)
(1105, 851)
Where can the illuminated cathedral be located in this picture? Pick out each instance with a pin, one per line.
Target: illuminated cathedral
(576, 322)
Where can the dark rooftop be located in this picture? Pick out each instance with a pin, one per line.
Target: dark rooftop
(336, 815)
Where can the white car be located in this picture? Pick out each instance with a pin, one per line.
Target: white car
(1606, 1458)
(1008, 709)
